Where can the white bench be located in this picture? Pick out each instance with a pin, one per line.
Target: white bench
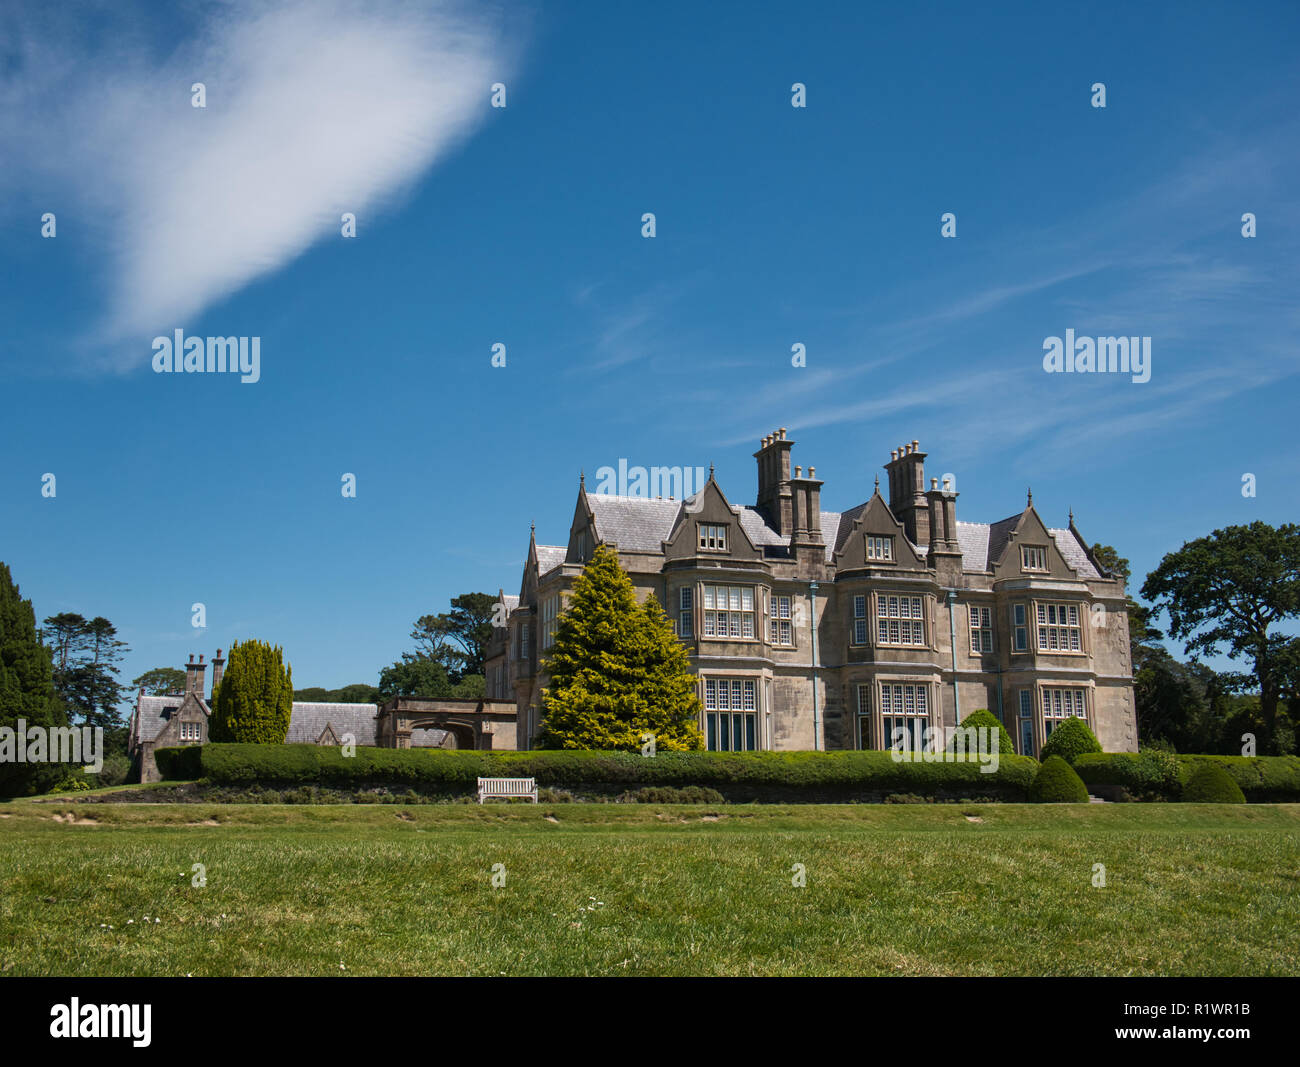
(507, 788)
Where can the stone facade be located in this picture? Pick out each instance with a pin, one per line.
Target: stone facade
(810, 629)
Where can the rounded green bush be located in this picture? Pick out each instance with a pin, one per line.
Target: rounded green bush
(1070, 740)
(1211, 784)
(1058, 784)
(984, 717)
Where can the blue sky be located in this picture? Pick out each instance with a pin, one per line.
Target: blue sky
(522, 225)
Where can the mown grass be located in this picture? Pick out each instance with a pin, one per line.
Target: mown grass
(649, 889)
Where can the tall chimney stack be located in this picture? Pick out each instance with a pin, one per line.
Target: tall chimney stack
(907, 497)
(775, 500)
(218, 669)
(194, 673)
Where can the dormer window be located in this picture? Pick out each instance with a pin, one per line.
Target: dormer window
(1033, 558)
(880, 548)
(713, 538)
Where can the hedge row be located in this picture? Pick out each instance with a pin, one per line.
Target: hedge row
(1162, 775)
(739, 776)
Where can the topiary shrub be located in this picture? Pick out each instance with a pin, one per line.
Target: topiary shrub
(1058, 784)
(1070, 740)
(985, 718)
(1209, 783)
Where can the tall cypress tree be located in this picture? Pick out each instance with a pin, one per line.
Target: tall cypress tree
(26, 687)
(255, 698)
(617, 669)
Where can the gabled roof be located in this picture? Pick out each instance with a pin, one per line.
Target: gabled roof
(307, 721)
(549, 557)
(156, 712)
(634, 524)
(982, 545)
(836, 527)
(757, 529)
(1074, 553)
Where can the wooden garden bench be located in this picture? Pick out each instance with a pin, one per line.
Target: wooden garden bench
(507, 788)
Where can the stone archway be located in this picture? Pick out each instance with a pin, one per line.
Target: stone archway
(474, 724)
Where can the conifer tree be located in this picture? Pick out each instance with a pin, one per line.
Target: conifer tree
(254, 700)
(617, 670)
(26, 688)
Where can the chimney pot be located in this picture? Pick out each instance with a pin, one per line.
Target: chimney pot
(916, 445)
(893, 454)
(797, 469)
(934, 483)
(191, 657)
(782, 433)
(812, 472)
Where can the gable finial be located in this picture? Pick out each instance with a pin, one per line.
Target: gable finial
(1072, 516)
(1030, 502)
(582, 479)
(877, 483)
(710, 470)
(532, 529)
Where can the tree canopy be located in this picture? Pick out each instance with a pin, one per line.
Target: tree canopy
(617, 670)
(255, 698)
(26, 687)
(1230, 590)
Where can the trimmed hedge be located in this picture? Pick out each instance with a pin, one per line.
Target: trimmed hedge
(738, 776)
(1163, 776)
(1209, 783)
(1058, 784)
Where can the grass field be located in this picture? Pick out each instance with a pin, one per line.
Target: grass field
(642, 889)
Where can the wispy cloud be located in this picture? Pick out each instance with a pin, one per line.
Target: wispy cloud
(313, 109)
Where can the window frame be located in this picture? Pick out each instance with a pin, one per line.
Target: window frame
(780, 628)
(1020, 629)
(715, 539)
(1048, 627)
(981, 629)
(1041, 551)
(686, 611)
(738, 620)
(738, 718)
(860, 620)
(883, 541)
(889, 623)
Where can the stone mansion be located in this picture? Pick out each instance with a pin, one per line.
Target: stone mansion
(812, 629)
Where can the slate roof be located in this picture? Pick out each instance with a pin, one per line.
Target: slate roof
(635, 524)
(549, 557)
(511, 601)
(641, 524)
(1074, 552)
(307, 721)
(757, 529)
(153, 715)
(982, 543)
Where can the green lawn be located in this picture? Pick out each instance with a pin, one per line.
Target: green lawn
(627, 889)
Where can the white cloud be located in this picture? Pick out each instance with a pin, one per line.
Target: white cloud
(313, 109)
